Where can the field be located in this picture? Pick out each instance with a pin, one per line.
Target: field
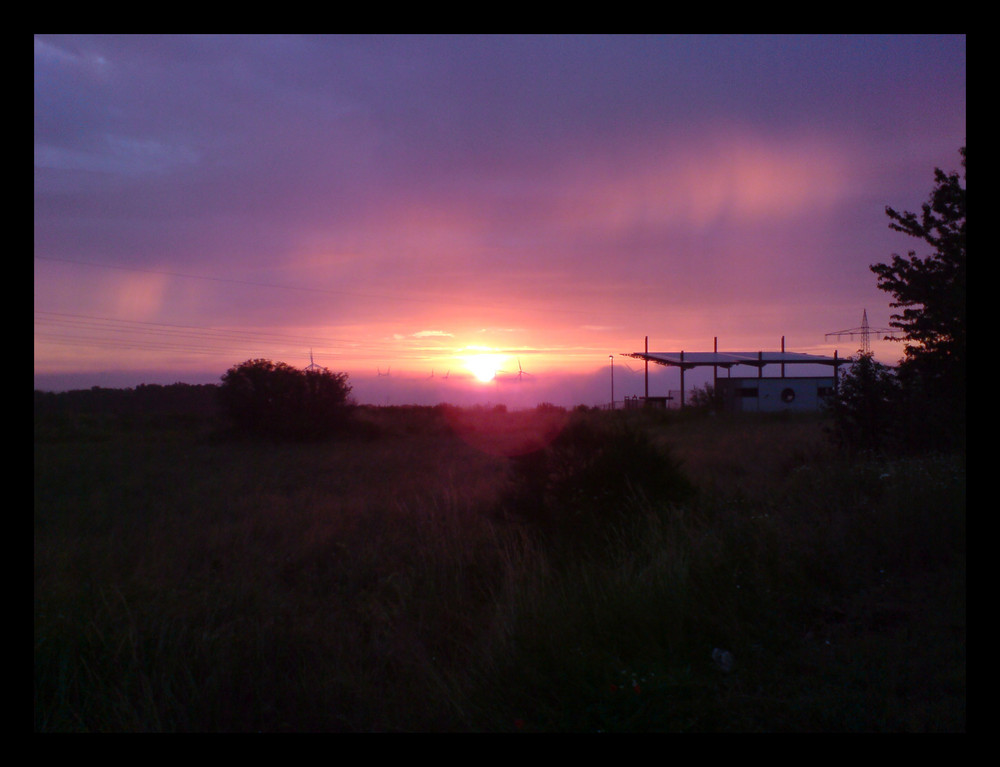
(422, 574)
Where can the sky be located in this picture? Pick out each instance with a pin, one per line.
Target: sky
(473, 218)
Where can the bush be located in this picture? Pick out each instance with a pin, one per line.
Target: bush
(705, 399)
(269, 399)
(592, 476)
(864, 409)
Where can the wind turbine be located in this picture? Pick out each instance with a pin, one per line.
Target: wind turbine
(520, 371)
(312, 365)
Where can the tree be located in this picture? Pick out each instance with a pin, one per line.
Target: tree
(865, 407)
(270, 399)
(931, 290)
(931, 293)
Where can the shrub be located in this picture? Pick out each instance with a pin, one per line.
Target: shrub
(864, 408)
(706, 399)
(591, 476)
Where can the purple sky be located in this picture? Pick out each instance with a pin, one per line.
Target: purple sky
(409, 203)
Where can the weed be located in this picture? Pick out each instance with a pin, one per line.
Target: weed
(422, 580)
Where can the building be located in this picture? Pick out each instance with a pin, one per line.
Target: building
(769, 395)
(758, 393)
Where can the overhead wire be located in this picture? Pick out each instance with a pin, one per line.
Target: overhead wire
(66, 329)
(436, 300)
(78, 329)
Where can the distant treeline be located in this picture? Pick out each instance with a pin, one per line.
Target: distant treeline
(145, 399)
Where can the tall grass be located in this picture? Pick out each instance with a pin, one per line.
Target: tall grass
(384, 585)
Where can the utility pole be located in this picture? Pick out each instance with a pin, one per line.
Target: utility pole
(715, 368)
(612, 358)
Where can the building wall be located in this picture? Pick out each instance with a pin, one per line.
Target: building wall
(770, 395)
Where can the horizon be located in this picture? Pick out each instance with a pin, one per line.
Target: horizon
(405, 208)
(568, 390)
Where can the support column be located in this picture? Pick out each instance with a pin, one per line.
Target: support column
(715, 368)
(647, 368)
(682, 380)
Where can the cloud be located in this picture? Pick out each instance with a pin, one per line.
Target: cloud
(423, 334)
(118, 154)
(49, 54)
(413, 194)
(733, 178)
(433, 334)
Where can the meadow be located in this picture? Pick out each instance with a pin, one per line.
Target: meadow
(477, 570)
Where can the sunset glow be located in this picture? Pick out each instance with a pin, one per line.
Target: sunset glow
(484, 367)
(422, 212)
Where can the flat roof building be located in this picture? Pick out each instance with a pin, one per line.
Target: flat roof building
(685, 360)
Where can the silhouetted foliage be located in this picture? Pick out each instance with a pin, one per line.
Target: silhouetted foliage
(706, 399)
(275, 400)
(144, 399)
(100, 413)
(591, 476)
(866, 406)
(931, 293)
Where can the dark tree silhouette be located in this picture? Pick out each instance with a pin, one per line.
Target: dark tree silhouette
(272, 399)
(931, 293)
(865, 407)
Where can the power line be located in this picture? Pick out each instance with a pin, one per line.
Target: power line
(105, 332)
(109, 332)
(865, 332)
(327, 291)
(76, 330)
(111, 323)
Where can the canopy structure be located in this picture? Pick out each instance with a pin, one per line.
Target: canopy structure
(727, 360)
(688, 360)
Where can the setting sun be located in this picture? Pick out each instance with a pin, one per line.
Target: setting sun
(484, 366)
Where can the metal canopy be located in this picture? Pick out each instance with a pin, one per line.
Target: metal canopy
(688, 360)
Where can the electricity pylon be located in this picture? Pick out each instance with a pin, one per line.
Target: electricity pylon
(865, 331)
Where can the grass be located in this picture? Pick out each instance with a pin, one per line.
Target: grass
(381, 584)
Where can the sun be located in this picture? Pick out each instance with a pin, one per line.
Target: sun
(484, 366)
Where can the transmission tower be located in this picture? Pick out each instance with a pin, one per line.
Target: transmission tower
(865, 331)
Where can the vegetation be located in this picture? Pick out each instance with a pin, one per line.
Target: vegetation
(271, 399)
(705, 399)
(866, 411)
(447, 569)
(747, 578)
(931, 292)
(591, 478)
(98, 413)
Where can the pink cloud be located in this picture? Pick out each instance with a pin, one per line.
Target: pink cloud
(702, 182)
